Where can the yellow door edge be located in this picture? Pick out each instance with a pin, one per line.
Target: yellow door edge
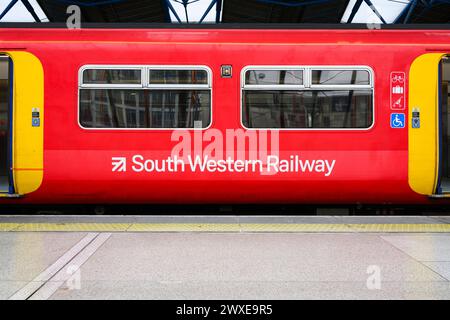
(27, 121)
(423, 141)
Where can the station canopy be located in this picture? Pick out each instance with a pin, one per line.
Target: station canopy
(235, 11)
(136, 11)
(426, 12)
(256, 11)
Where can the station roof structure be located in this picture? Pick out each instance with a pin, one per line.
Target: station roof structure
(135, 11)
(275, 11)
(426, 11)
(231, 11)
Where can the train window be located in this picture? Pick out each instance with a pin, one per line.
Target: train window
(307, 109)
(340, 77)
(175, 102)
(174, 76)
(119, 108)
(274, 77)
(334, 99)
(112, 76)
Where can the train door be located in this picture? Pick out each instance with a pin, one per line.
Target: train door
(5, 124)
(21, 123)
(444, 126)
(429, 125)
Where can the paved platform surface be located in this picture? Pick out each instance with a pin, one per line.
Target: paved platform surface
(176, 257)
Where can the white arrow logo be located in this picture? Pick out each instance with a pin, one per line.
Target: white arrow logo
(119, 164)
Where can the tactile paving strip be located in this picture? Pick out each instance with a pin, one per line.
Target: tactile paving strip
(71, 227)
(223, 227)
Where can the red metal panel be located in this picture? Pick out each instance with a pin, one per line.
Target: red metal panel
(371, 166)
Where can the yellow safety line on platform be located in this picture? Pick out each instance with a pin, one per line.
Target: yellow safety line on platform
(294, 227)
(71, 227)
(8, 226)
(221, 227)
(400, 227)
(184, 227)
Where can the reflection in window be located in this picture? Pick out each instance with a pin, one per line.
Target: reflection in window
(178, 77)
(136, 104)
(111, 76)
(274, 77)
(340, 77)
(307, 109)
(120, 108)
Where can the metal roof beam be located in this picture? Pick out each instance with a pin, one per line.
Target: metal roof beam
(374, 10)
(8, 7)
(410, 11)
(218, 10)
(372, 7)
(355, 9)
(422, 6)
(27, 5)
(211, 5)
(172, 9)
(293, 4)
(30, 9)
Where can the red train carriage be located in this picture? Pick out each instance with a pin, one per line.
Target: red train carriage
(224, 116)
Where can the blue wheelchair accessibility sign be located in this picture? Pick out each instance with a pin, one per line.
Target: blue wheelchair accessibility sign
(397, 120)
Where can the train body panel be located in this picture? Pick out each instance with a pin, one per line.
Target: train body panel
(310, 165)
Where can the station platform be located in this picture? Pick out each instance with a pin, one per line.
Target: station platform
(224, 257)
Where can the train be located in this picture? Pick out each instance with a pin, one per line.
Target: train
(210, 115)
